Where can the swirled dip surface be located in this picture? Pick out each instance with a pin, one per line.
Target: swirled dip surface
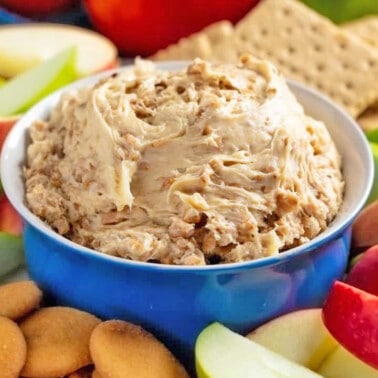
(212, 163)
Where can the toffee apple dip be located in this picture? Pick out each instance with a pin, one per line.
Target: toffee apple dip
(214, 163)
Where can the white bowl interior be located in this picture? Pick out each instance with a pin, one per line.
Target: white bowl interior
(357, 159)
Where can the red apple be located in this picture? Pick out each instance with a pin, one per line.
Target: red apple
(38, 7)
(6, 123)
(364, 273)
(10, 221)
(144, 26)
(365, 227)
(351, 316)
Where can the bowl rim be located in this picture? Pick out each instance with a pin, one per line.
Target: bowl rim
(325, 236)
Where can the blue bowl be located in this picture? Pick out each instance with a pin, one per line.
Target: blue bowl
(177, 302)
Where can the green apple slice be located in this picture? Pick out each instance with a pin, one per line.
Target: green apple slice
(18, 94)
(11, 252)
(343, 10)
(374, 191)
(221, 353)
(372, 135)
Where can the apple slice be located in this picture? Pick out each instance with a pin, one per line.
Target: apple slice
(10, 221)
(374, 191)
(300, 336)
(372, 134)
(26, 89)
(24, 46)
(365, 227)
(342, 364)
(364, 274)
(351, 316)
(6, 123)
(354, 260)
(11, 252)
(221, 353)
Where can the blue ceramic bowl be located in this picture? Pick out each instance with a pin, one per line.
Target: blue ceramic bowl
(177, 302)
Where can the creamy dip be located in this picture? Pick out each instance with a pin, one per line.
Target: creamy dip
(213, 163)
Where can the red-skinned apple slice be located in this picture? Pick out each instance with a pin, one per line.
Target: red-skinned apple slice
(10, 221)
(24, 46)
(301, 337)
(365, 227)
(351, 316)
(364, 274)
(6, 123)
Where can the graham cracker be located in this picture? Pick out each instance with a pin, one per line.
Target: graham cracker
(207, 44)
(366, 28)
(310, 48)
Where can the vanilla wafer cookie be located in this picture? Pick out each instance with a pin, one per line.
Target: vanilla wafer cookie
(57, 340)
(17, 299)
(121, 349)
(12, 349)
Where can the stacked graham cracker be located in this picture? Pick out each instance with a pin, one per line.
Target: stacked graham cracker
(367, 29)
(341, 62)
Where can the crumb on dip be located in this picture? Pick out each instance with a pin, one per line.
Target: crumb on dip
(213, 163)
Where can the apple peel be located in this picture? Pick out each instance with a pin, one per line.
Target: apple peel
(6, 124)
(351, 316)
(364, 274)
(364, 228)
(10, 221)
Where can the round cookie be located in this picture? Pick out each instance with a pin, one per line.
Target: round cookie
(121, 349)
(57, 339)
(12, 349)
(17, 299)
